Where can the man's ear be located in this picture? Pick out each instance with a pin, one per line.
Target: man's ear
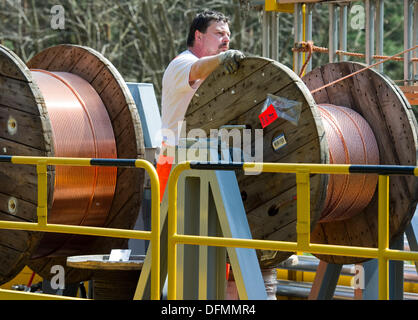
(197, 35)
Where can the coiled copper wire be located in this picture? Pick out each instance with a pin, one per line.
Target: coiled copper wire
(350, 141)
(81, 128)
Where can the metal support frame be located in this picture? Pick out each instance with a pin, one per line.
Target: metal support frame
(210, 204)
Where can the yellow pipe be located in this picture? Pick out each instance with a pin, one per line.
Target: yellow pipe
(155, 228)
(42, 208)
(303, 228)
(235, 243)
(52, 161)
(82, 230)
(363, 252)
(383, 237)
(392, 254)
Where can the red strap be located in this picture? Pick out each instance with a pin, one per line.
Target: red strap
(164, 165)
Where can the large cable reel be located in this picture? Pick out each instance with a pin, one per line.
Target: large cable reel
(364, 119)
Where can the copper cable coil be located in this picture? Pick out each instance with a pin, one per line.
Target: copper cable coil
(350, 141)
(81, 128)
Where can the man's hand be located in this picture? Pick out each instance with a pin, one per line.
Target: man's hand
(230, 59)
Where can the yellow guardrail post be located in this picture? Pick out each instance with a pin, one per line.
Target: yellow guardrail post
(303, 201)
(42, 209)
(155, 227)
(172, 230)
(383, 237)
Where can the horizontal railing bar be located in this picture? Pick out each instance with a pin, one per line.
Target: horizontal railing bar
(82, 230)
(312, 168)
(313, 248)
(392, 254)
(363, 252)
(68, 161)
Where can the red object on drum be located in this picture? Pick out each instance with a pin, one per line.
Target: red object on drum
(350, 141)
(81, 128)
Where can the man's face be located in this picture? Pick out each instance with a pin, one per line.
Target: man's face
(216, 38)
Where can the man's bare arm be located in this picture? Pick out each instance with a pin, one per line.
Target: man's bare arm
(203, 67)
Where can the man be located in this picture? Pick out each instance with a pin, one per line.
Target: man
(208, 48)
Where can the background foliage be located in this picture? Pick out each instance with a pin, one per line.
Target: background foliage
(140, 37)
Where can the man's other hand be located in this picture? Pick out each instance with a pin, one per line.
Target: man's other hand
(230, 59)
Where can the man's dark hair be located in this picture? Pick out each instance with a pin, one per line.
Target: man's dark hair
(201, 22)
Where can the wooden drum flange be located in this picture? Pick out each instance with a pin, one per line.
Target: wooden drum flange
(270, 199)
(27, 132)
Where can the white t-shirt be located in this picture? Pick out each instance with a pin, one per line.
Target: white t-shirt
(176, 94)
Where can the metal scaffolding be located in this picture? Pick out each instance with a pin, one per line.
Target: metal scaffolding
(337, 32)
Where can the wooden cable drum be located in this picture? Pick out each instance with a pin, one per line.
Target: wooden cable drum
(68, 101)
(352, 122)
(389, 114)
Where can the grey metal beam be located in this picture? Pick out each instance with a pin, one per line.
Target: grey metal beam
(332, 32)
(325, 281)
(380, 13)
(298, 27)
(343, 30)
(411, 233)
(408, 33)
(370, 30)
(266, 38)
(274, 35)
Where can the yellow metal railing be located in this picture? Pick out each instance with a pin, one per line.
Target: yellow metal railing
(42, 225)
(302, 171)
